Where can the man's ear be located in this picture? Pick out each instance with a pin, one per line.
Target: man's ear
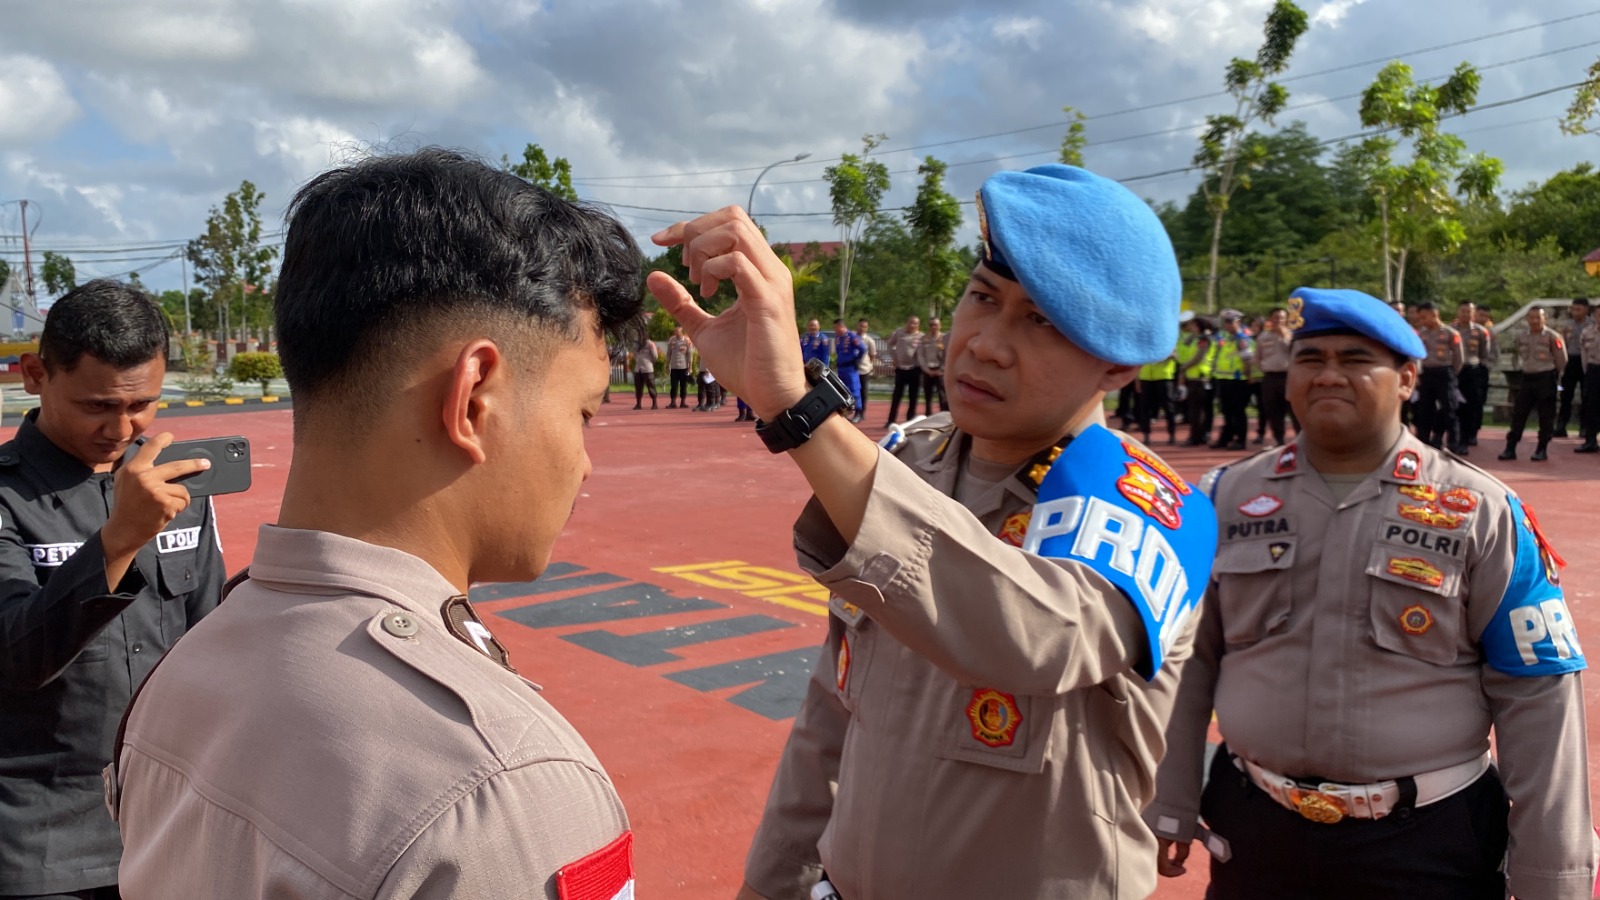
(34, 374)
(1408, 379)
(1116, 378)
(469, 397)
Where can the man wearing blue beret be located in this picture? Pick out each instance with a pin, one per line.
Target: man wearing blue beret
(1377, 607)
(1014, 585)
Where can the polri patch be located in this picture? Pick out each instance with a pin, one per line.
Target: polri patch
(1157, 498)
(1261, 505)
(1416, 620)
(606, 874)
(994, 717)
(178, 540)
(1158, 464)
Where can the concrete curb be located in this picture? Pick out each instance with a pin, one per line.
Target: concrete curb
(226, 401)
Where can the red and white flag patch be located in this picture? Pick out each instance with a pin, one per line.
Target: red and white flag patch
(1261, 505)
(606, 874)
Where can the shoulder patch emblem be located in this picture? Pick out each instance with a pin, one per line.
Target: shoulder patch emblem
(1288, 461)
(1416, 620)
(606, 874)
(1278, 549)
(1415, 569)
(1261, 505)
(1155, 497)
(842, 668)
(1433, 518)
(1407, 465)
(994, 717)
(1159, 465)
(462, 621)
(1015, 529)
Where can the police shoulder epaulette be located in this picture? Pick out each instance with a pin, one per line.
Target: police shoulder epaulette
(9, 454)
(1210, 480)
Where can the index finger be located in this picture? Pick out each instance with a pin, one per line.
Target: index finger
(151, 449)
(685, 231)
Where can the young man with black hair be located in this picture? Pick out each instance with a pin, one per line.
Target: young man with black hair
(1437, 385)
(347, 726)
(103, 564)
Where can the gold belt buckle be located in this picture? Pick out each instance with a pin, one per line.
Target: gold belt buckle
(1319, 807)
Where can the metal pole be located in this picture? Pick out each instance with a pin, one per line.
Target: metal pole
(188, 325)
(27, 258)
(749, 205)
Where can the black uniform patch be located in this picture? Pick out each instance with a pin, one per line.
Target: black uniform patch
(461, 620)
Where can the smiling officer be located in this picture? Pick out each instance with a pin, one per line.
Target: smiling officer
(1013, 591)
(1377, 607)
(102, 567)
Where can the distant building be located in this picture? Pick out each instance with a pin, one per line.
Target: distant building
(803, 252)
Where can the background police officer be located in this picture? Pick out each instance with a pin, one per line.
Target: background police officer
(102, 567)
(1543, 355)
(1437, 388)
(1480, 350)
(1377, 607)
(1231, 369)
(1579, 321)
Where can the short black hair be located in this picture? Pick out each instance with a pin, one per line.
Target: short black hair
(386, 251)
(1581, 301)
(116, 323)
(1427, 306)
(1275, 310)
(838, 321)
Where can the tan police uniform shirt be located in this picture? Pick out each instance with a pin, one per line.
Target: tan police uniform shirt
(973, 727)
(1590, 349)
(644, 357)
(1317, 663)
(1478, 345)
(1443, 344)
(1542, 352)
(1272, 351)
(1572, 332)
(303, 745)
(930, 353)
(678, 349)
(903, 348)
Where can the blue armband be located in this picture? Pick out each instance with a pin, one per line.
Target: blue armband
(1115, 507)
(1532, 632)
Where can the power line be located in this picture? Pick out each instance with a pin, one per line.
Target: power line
(1145, 108)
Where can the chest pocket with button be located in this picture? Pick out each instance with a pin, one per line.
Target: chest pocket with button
(1253, 587)
(1416, 605)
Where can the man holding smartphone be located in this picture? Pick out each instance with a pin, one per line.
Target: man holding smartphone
(103, 564)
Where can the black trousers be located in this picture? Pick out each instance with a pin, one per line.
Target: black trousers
(680, 386)
(905, 380)
(1127, 404)
(930, 384)
(1436, 407)
(1589, 418)
(1234, 398)
(100, 893)
(1449, 850)
(642, 381)
(1275, 403)
(1538, 391)
(1571, 380)
(1202, 411)
(1474, 384)
(1155, 399)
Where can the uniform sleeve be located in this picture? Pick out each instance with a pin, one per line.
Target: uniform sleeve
(1176, 808)
(213, 570)
(509, 837)
(1491, 348)
(42, 629)
(1558, 351)
(928, 572)
(1458, 352)
(783, 863)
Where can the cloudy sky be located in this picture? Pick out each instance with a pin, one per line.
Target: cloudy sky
(123, 121)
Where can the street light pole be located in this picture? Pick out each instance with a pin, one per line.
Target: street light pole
(750, 203)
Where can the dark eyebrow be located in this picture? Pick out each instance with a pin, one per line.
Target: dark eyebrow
(982, 279)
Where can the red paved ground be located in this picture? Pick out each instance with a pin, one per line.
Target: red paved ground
(675, 488)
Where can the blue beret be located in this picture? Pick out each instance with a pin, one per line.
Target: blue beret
(1092, 255)
(1314, 311)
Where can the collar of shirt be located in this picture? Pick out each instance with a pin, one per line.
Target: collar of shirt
(59, 469)
(289, 558)
(1408, 461)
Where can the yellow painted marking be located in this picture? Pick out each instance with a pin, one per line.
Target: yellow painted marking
(269, 399)
(234, 401)
(194, 403)
(163, 405)
(756, 582)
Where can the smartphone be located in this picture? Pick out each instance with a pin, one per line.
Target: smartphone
(230, 464)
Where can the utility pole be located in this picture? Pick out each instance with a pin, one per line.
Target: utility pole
(27, 258)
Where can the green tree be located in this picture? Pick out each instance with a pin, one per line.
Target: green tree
(536, 166)
(5, 273)
(1228, 150)
(934, 217)
(1073, 142)
(1585, 104)
(258, 367)
(232, 264)
(1566, 208)
(856, 186)
(58, 273)
(1417, 208)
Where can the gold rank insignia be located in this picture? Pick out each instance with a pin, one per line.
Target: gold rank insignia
(1297, 319)
(1424, 493)
(1416, 620)
(994, 717)
(1418, 570)
(1428, 515)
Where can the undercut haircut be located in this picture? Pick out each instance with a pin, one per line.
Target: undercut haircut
(116, 323)
(388, 257)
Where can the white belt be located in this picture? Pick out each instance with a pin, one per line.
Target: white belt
(1329, 803)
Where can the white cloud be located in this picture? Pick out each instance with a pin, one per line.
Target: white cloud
(35, 103)
(1333, 12)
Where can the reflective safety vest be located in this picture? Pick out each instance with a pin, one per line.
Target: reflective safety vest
(1165, 370)
(1188, 346)
(1229, 366)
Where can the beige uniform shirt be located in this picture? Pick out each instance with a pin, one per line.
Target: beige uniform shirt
(1342, 640)
(1542, 352)
(678, 349)
(300, 745)
(1443, 344)
(1272, 351)
(930, 353)
(1478, 345)
(1572, 332)
(1591, 347)
(644, 357)
(973, 727)
(903, 348)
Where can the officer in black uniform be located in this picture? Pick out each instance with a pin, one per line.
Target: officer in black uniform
(103, 564)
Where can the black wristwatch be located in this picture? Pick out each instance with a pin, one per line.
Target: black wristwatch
(794, 425)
